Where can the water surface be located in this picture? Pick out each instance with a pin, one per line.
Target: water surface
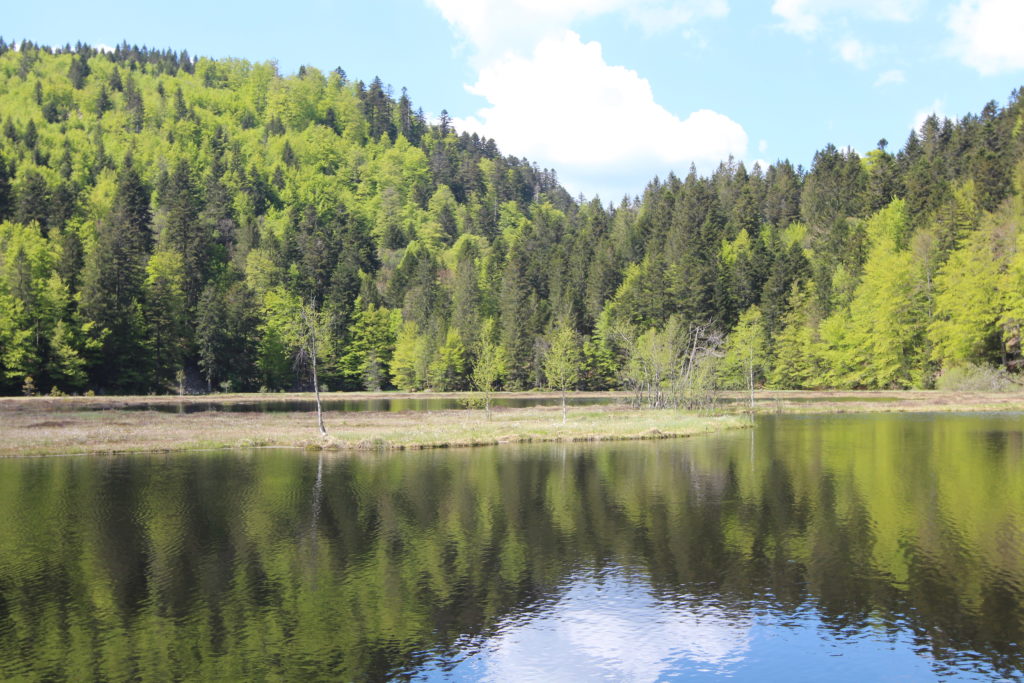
(345, 405)
(848, 547)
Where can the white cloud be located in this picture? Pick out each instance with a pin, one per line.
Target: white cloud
(921, 115)
(805, 17)
(855, 52)
(988, 35)
(565, 106)
(554, 99)
(615, 629)
(494, 27)
(762, 146)
(655, 17)
(105, 48)
(891, 77)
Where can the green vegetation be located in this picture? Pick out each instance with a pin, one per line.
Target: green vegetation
(562, 362)
(163, 220)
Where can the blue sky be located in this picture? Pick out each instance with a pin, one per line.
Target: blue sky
(612, 92)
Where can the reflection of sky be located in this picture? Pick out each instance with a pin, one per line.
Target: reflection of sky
(607, 627)
(612, 627)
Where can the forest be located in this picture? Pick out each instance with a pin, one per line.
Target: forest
(177, 224)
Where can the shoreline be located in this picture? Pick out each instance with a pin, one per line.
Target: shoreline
(763, 398)
(46, 402)
(41, 426)
(31, 433)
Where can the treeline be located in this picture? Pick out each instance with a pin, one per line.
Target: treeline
(165, 221)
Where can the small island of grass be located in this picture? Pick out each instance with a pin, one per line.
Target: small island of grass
(75, 431)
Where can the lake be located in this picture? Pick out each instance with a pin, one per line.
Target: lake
(345, 405)
(838, 547)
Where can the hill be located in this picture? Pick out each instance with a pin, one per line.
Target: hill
(165, 220)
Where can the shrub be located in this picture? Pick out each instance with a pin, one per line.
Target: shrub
(970, 377)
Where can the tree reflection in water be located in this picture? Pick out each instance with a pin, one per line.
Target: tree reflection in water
(893, 540)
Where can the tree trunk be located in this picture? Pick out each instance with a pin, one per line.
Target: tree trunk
(319, 410)
(316, 381)
(563, 406)
(750, 380)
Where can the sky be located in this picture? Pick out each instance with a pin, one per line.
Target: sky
(611, 93)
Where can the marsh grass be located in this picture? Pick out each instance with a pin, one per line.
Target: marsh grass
(913, 401)
(41, 426)
(112, 431)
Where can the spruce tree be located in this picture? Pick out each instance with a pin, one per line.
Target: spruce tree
(112, 285)
(181, 204)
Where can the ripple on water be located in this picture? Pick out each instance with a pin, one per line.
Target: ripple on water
(851, 548)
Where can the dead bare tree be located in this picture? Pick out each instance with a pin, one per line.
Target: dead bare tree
(670, 367)
(312, 322)
(695, 386)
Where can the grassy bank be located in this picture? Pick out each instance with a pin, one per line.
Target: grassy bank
(65, 425)
(42, 432)
(877, 401)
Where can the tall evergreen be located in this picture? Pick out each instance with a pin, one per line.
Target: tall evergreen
(112, 285)
(181, 204)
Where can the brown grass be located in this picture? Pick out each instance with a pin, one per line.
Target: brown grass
(45, 425)
(917, 401)
(35, 432)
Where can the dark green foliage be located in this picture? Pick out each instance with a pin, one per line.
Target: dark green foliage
(112, 286)
(32, 199)
(6, 192)
(517, 314)
(78, 72)
(181, 204)
(72, 259)
(115, 80)
(133, 105)
(31, 135)
(377, 108)
(226, 334)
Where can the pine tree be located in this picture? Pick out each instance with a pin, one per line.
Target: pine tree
(103, 101)
(516, 327)
(181, 203)
(78, 72)
(112, 285)
(33, 197)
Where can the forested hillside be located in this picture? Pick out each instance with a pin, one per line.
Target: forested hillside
(170, 223)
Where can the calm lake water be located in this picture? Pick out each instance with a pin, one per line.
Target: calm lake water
(345, 405)
(396, 405)
(858, 547)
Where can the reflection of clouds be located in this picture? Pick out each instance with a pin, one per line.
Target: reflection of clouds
(611, 627)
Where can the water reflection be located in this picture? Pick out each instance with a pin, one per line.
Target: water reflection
(846, 547)
(606, 626)
(343, 405)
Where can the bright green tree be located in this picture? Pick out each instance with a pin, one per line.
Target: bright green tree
(562, 361)
(166, 313)
(447, 371)
(405, 363)
(967, 304)
(367, 361)
(794, 362)
(490, 365)
(746, 352)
